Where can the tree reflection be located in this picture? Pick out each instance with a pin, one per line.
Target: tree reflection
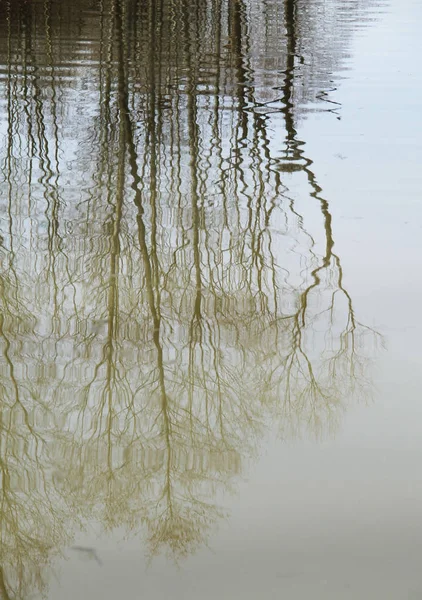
(163, 297)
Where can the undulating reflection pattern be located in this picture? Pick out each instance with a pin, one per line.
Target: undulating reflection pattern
(165, 292)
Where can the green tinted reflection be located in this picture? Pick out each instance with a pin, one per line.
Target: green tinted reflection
(166, 291)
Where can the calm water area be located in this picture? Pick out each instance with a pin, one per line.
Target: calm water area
(210, 299)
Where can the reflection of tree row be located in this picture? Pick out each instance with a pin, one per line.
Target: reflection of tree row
(156, 334)
(181, 422)
(183, 427)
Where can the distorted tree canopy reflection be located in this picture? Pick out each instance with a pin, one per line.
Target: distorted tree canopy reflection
(165, 291)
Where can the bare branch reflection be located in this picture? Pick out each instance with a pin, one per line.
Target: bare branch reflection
(165, 296)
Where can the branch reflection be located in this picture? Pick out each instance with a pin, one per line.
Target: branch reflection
(164, 298)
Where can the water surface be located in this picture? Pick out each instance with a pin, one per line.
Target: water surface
(210, 230)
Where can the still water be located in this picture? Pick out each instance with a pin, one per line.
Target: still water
(210, 292)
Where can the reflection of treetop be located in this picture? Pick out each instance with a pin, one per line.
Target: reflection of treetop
(164, 296)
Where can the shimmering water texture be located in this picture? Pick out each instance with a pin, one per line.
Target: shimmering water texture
(172, 292)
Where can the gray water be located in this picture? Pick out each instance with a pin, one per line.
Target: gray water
(210, 291)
